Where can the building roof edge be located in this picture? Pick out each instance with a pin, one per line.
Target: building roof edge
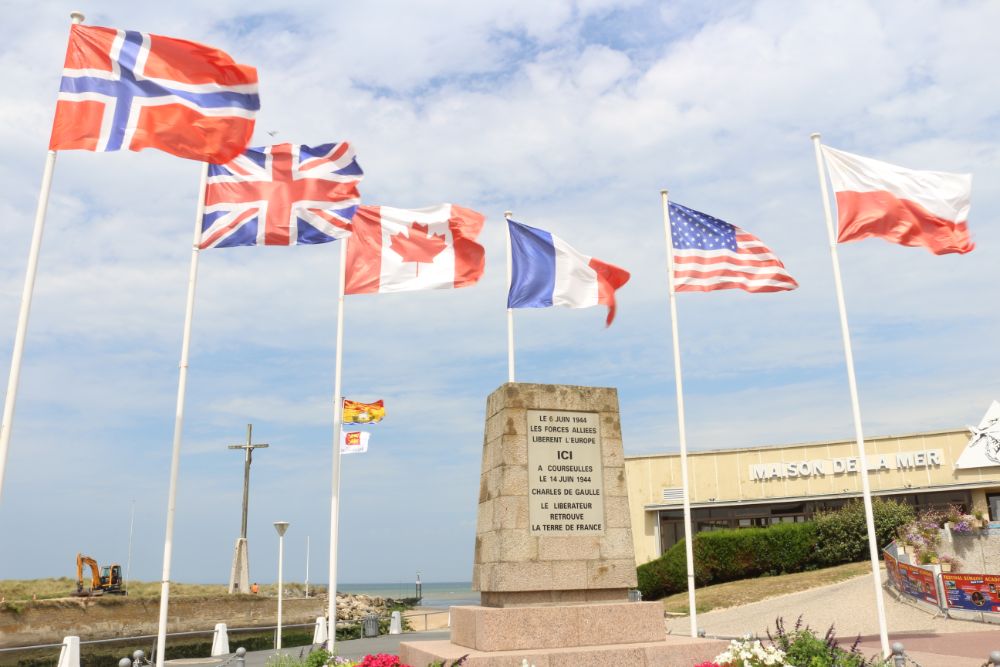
(819, 443)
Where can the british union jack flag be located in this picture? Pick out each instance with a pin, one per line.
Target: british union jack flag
(283, 195)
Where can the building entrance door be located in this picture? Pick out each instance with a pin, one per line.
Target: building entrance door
(671, 532)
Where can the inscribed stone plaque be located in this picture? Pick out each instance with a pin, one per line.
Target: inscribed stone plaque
(565, 477)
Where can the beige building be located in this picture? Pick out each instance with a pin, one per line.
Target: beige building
(760, 486)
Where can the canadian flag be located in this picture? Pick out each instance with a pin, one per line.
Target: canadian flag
(401, 250)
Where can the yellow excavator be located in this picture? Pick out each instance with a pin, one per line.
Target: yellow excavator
(102, 580)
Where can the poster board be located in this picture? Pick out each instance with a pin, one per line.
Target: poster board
(918, 582)
(972, 592)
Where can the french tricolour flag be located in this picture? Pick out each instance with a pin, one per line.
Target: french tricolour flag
(547, 271)
(904, 206)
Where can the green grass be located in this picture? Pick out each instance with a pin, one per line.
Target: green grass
(736, 593)
(19, 590)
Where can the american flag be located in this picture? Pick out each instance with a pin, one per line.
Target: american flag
(711, 254)
(282, 195)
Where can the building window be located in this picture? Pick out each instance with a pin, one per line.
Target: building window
(712, 524)
(993, 500)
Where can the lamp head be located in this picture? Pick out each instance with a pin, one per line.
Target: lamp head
(281, 527)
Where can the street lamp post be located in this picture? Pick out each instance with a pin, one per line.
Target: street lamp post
(281, 527)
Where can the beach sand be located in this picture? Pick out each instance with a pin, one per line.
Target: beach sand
(427, 618)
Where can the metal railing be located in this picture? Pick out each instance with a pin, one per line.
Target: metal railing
(425, 615)
(189, 633)
(192, 633)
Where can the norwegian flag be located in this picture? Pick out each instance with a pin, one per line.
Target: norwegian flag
(125, 89)
(285, 194)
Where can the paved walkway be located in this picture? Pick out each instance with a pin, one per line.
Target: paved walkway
(849, 606)
(930, 641)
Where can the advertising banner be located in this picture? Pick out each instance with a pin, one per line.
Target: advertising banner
(918, 582)
(892, 569)
(975, 592)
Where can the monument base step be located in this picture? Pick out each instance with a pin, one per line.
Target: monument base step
(669, 652)
(557, 626)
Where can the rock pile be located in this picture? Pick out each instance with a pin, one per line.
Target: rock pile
(354, 607)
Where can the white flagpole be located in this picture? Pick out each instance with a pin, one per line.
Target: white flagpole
(128, 563)
(338, 427)
(855, 405)
(510, 311)
(22, 318)
(688, 532)
(13, 379)
(175, 460)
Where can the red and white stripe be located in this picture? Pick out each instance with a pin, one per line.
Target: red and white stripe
(752, 268)
(582, 281)
(904, 206)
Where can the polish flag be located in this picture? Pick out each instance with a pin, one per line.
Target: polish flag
(904, 206)
(401, 250)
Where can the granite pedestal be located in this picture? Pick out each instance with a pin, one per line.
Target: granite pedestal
(553, 558)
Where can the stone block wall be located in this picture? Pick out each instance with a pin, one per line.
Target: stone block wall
(511, 565)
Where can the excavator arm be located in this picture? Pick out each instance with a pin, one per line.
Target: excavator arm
(95, 573)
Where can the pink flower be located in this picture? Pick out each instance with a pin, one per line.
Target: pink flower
(381, 660)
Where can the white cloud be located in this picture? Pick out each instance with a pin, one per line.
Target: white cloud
(551, 110)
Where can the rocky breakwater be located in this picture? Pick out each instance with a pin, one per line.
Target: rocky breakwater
(353, 607)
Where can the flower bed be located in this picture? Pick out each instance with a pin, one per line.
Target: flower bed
(921, 539)
(798, 647)
(322, 657)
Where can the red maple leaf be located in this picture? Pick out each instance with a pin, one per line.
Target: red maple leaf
(418, 246)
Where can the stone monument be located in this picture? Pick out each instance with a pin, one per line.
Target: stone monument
(554, 559)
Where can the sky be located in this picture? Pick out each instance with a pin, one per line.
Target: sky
(573, 114)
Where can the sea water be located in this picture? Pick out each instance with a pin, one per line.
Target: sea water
(435, 594)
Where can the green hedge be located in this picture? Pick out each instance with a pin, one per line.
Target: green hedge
(727, 555)
(665, 575)
(842, 535)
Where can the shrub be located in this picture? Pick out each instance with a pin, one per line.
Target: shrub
(779, 549)
(665, 575)
(832, 538)
(842, 535)
(801, 646)
(317, 658)
(728, 555)
(890, 516)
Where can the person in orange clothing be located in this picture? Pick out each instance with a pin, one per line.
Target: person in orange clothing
(255, 588)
